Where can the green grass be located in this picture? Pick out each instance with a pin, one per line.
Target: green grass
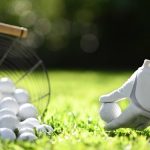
(73, 113)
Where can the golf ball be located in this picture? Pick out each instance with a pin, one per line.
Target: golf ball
(21, 96)
(7, 134)
(44, 128)
(32, 121)
(22, 130)
(9, 121)
(29, 123)
(1, 95)
(6, 95)
(25, 125)
(17, 114)
(6, 85)
(6, 111)
(10, 103)
(109, 111)
(27, 136)
(27, 110)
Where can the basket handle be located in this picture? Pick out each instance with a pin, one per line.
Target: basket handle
(12, 30)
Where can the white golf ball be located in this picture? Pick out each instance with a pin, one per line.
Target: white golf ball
(6, 95)
(32, 121)
(6, 111)
(6, 85)
(1, 95)
(21, 96)
(109, 111)
(7, 134)
(9, 121)
(10, 103)
(22, 130)
(25, 125)
(27, 136)
(27, 110)
(44, 128)
(29, 123)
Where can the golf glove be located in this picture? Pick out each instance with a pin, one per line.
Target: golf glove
(137, 89)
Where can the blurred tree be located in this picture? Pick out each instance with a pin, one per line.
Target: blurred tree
(99, 33)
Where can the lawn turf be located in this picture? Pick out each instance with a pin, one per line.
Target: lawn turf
(73, 113)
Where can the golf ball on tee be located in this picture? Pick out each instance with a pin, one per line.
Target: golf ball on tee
(109, 111)
(6, 85)
(21, 96)
(27, 110)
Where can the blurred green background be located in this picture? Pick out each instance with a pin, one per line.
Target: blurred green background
(81, 35)
(84, 33)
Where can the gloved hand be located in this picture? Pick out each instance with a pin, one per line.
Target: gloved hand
(137, 89)
(132, 117)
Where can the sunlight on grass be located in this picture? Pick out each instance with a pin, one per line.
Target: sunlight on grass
(81, 89)
(73, 113)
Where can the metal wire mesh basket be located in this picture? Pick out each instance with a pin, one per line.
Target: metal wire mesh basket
(21, 64)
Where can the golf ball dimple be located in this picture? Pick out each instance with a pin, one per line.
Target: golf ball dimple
(9, 121)
(27, 136)
(6, 85)
(27, 110)
(10, 103)
(21, 96)
(7, 134)
(44, 128)
(109, 111)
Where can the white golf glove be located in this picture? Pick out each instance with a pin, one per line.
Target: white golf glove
(137, 89)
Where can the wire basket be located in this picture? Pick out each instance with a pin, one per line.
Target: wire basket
(23, 66)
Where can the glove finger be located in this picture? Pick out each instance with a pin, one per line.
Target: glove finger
(125, 120)
(111, 97)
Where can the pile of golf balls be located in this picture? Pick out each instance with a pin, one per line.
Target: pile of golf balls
(17, 114)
